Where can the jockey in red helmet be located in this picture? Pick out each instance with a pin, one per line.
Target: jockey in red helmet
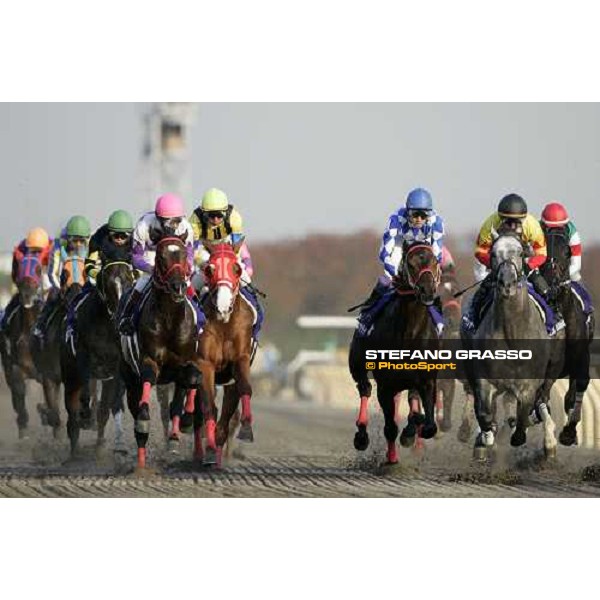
(555, 216)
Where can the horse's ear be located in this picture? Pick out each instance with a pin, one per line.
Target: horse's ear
(494, 233)
(208, 270)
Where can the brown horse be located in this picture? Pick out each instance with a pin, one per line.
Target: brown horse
(226, 346)
(166, 344)
(14, 338)
(404, 321)
(46, 354)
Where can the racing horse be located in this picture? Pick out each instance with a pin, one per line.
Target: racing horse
(14, 339)
(403, 322)
(164, 348)
(47, 353)
(225, 350)
(91, 353)
(510, 321)
(579, 330)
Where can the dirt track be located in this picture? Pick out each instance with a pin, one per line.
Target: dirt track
(300, 450)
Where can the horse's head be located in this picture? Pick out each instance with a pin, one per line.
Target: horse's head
(451, 307)
(556, 268)
(222, 274)
(29, 280)
(171, 269)
(507, 257)
(421, 272)
(72, 277)
(115, 279)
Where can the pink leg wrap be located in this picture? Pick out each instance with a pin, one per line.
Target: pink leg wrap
(146, 389)
(363, 415)
(141, 458)
(198, 451)
(211, 426)
(190, 402)
(246, 412)
(392, 453)
(175, 428)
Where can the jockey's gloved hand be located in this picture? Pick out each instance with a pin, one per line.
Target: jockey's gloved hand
(539, 283)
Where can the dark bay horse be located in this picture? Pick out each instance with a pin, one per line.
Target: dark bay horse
(403, 322)
(225, 350)
(579, 331)
(14, 339)
(92, 353)
(511, 320)
(166, 342)
(47, 355)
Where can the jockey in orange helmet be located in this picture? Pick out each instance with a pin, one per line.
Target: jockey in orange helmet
(36, 243)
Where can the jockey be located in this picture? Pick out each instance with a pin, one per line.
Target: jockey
(554, 216)
(167, 219)
(216, 221)
(38, 243)
(73, 241)
(511, 214)
(414, 222)
(111, 242)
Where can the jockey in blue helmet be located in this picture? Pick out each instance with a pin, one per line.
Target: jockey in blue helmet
(416, 221)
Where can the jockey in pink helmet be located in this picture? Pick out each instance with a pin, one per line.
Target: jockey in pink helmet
(167, 219)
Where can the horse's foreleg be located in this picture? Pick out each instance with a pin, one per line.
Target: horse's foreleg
(484, 414)
(244, 391)
(149, 373)
(230, 404)
(103, 410)
(210, 411)
(73, 392)
(386, 399)
(573, 403)
(118, 408)
(162, 394)
(18, 390)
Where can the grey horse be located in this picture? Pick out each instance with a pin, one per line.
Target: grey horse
(511, 320)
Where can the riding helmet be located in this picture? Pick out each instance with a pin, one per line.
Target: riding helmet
(120, 222)
(554, 215)
(37, 238)
(512, 207)
(78, 226)
(214, 199)
(419, 199)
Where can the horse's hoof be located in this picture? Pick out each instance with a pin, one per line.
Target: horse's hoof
(210, 457)
(361, 438)
(43, 412)
(445, 426)
(518, 438)
(142, 423)
(173, 445)
(246, 434)
(416, 419)
(186, 424)
(408, 435)
(428, 431)
(480, 453)
(568, 436)
(121, 449)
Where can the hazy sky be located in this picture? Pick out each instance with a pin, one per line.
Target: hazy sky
(299, 168)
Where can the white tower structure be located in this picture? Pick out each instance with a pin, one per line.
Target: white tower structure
(166, 149)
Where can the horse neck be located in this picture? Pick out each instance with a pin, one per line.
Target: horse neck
(409, 316)
(506, 312)
(169, 311)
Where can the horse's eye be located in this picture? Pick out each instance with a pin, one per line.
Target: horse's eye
(237, 270)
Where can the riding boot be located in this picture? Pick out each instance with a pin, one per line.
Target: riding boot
(540, 285)
(366, 317)
(470, 320)
(39, 331)
(126, 324)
